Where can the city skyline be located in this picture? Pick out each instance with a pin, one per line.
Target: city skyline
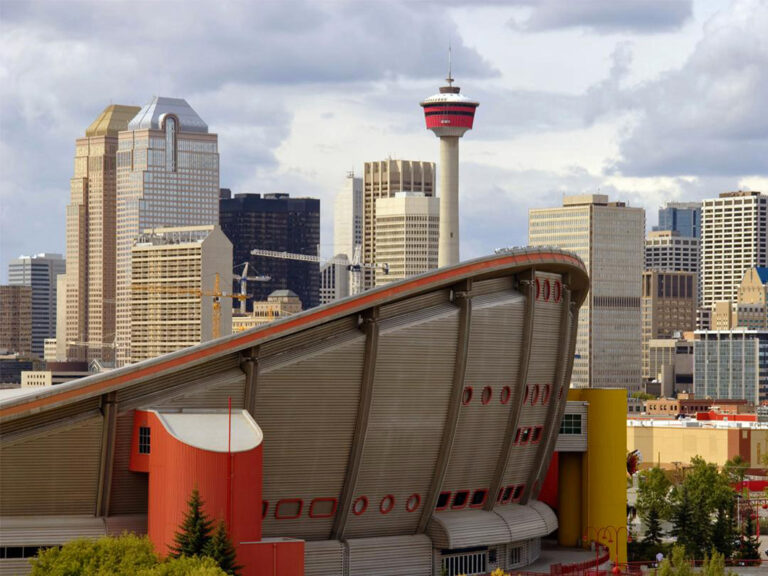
(573, 99)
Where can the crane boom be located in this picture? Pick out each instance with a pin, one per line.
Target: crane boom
(310, 258)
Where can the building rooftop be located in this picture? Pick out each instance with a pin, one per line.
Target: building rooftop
(283, 294)
(152, 114)
(210, 429)
(112, 120)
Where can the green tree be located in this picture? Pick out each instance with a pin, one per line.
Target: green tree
(185, 566)
(220, 549)
(683, 528)
(736, 468)
(723, 532)
(749, 546)
(714, 566)
(653, 531)
(124, 556)
(195, 529)
(676, 564)
(653, 502)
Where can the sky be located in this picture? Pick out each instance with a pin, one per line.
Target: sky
(647, 101)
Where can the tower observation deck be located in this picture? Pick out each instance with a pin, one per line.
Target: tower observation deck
(449, 115)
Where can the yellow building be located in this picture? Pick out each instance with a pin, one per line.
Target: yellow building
(279, 304)
(592, 493)
(672, 443)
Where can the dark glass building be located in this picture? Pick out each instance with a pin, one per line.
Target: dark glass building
(682, 217)
(274, 222)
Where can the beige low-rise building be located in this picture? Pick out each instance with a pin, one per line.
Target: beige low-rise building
(279, 304)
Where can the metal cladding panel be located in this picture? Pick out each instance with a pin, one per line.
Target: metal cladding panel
(48, 530)
(308, 337)
(54, 473)
(307, 411)
(136, 523)
(546, 513)
(574, 442)
(324, 558)
(214, 392)
(482, 287)
(466, 528)
(524, 522)
(414, 304)
(130, 490)
(15, 567)
(493, 361)
(392, 556)
(170, 385)
(49, 417)
(411, 390)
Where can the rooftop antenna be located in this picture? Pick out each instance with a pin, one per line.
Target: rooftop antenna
(450, 77)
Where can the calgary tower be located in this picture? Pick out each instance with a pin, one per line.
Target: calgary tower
(449, 115)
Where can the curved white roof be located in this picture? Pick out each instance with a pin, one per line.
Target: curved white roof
(449, 97)
(209, 430)
(150, 116)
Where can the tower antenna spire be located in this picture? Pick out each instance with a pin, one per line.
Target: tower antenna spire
(450, 77)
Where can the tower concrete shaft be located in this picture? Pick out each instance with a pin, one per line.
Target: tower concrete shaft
(448, 248)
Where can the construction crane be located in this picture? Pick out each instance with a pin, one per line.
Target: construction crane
(356, 266)
(244, 279)
(216, 294)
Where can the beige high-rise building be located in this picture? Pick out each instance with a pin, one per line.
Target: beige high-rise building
(668, 306)
(172, 285)
(668, 251)
(16, 320)
(407, 235)
(167, 176)
(734, 238)
(609, 238)
(88, 313)
(383, 179)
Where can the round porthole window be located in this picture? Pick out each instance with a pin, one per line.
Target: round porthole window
(538, 288)
(360, 505)
(506, 393)
(547, 290)
(387, 503)
(535, 397)
(527, 393)
(558, 291)
(547, 393)
(466, 397)
(413, 502)
(487, 395)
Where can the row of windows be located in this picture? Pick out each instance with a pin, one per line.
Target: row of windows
(534, 394)
(546, 290)
(528, 434)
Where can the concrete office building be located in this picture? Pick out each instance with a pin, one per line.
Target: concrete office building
(681, 217)
(609, 238)
(335, 279)
(449, 115)
(383, 179)
(88, 314)
(407, 235)
(670, 362)
(472, 363)
(347, 234)
(734, 238)
(167, 176)
(668, 306)
(668, 251)
(40, 273)
(173, 282)
(16, 320)
(280, 223)
(731, 364)
(279, 304)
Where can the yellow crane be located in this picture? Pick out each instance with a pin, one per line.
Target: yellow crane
(216, 294)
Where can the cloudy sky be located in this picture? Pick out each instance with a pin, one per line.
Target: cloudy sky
(646, 100)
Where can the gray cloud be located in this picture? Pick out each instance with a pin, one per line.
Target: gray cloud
(708, 117)
(604, 16)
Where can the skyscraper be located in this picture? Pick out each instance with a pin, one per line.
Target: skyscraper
(281, 223)
(334, 279)
(173, 276)
(681, 217)
(668, 251)
(348, 217)
(89, 313)
(734, 238)
(407, 235)
(16, 320)
(167, 176)
(608, 236)
(383, 179)
(449, 115)
(39, 272)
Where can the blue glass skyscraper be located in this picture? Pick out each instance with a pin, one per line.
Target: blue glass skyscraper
(683, 217)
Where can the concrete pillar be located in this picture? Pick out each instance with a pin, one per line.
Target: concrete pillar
(448, 251)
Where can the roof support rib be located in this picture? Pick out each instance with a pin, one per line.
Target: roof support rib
(370, 325)
(462, 296)
(250, 365)
(107, 458)
(527, 286)
(556, 405)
